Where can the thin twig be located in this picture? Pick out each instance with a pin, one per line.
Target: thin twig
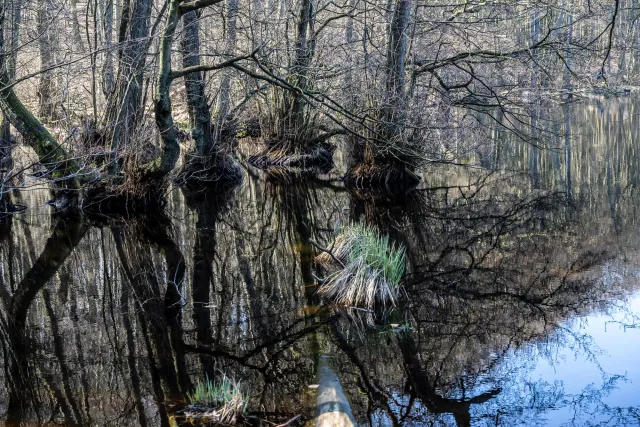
(323, 249)
(290, 421)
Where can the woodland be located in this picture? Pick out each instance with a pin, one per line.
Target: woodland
(437, 197)
(113, 100)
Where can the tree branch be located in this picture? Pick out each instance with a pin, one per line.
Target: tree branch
(204, 67)
(195, 5)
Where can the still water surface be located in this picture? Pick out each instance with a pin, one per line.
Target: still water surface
(521, 304)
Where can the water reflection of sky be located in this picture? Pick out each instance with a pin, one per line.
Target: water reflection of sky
(618, 353)
(588, 372)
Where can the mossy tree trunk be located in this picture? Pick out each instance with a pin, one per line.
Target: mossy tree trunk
(196, 97)
(51, 155)
(162, 100)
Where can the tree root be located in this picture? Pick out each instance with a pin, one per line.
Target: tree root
(102, 200)
(318, 159)
(390, 179)
(220, 170)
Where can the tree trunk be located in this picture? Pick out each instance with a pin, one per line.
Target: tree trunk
(11, 33)
(384, 164)
(170, 149)
(566, 81)
(295, 126)
(46, 44)
(350, 40)
(355, 145)
(107, 70)
(212, 160)
(124, 107)
(395, 79)
(535, 36)
(16, 18)
(224, 101)
(392, 111)
(75, 23)
(199, 114)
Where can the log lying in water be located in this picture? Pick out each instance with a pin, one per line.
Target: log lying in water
(333, 406)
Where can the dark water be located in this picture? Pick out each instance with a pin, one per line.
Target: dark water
(520, 304)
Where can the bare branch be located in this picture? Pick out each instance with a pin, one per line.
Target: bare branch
(196, 4)
(199, 68)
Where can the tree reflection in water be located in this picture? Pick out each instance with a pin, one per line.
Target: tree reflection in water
(112, 322)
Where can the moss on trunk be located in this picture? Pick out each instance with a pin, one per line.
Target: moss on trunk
(62, 167)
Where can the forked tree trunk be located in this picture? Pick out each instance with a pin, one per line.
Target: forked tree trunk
(210, 156)
(170, 149)
(211, 160)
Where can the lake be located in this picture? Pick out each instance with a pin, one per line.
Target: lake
(520, 300)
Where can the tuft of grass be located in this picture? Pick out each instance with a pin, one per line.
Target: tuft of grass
(219, 401)
(371, 271)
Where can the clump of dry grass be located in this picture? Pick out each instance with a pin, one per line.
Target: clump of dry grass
(216, 402)
(370, 269)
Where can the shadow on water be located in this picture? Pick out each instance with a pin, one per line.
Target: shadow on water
(114, 323)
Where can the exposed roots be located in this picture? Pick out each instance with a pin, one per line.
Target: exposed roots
(113, 200)
(392, 179)
(318, 158)
(219, 170)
